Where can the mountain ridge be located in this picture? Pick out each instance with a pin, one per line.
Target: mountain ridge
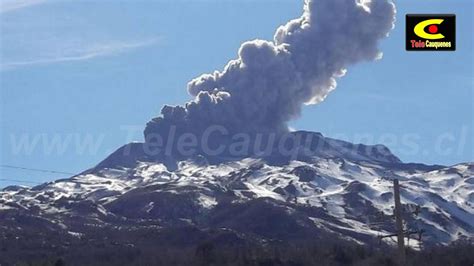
(338, 190)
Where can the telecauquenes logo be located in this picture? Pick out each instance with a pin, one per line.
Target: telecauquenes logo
(430, 32)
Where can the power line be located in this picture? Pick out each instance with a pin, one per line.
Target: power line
(35, 169)
(19, 181)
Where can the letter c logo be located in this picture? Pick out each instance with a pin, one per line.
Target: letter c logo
(420, 29)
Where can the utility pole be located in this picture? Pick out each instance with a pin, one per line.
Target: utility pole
(400, 232)
(399, 223)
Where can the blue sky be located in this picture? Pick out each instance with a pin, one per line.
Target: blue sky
(75, 72)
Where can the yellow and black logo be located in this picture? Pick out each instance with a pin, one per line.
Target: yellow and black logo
(426, 32)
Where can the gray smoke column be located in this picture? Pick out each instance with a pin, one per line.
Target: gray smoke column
(267, 85)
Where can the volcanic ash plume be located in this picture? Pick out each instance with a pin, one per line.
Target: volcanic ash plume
(270, 81)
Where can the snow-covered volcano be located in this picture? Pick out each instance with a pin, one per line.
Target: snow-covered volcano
(348, 193)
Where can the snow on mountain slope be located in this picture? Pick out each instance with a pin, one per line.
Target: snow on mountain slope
(331, 191)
